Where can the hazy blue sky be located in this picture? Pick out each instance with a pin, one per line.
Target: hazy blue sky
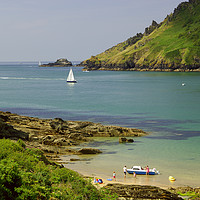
(33, 30)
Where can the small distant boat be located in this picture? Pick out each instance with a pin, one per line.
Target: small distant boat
(183, 84)
(140, 171)
(70, 78)
(39, 63)
(85, 70)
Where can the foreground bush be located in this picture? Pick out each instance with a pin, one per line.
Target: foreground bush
(27, 174)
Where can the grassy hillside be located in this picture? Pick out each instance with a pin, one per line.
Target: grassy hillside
(26, 174)
(174, 44)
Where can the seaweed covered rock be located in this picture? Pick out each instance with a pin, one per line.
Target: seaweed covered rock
(53, 134)
(141, 192)
(124, 140)
(89, 151)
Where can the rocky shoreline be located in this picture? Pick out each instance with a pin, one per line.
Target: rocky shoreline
(56, 136)
(131, 192)
(94, 63)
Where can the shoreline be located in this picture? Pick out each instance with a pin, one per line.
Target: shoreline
(134, 189)
(140, 69)
(103, 165)
(123, 181)
(57, 135)
(143, 180)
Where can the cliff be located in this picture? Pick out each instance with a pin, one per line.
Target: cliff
(172, 45)
(62, 62)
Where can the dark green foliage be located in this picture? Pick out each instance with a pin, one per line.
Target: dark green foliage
(174, 54)
(9, 179)
(26, 174)
(21, 143)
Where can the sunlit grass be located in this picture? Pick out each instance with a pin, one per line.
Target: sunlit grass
(177, 41)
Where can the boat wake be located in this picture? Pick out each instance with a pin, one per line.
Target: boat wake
(25, 78)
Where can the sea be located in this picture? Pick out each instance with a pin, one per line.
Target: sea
(164, 104)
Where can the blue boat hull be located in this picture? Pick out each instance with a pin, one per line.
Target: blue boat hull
(140, 172)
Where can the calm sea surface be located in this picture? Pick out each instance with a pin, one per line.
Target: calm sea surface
(153, 101)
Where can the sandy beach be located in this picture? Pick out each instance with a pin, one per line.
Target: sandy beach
(139, 184)
(116, 155)
(153, 180)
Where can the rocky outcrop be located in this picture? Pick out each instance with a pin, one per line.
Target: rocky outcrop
(151, 28)
(125, 140)
(62, 62)
(131, 192)
(89, 151)
(130, 65)
(57, 135)
(7, 131)
(92, 64)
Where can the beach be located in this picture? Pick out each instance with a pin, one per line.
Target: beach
(103, 165)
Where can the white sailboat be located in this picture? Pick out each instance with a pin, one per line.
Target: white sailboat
(39, 63)
(70, 78)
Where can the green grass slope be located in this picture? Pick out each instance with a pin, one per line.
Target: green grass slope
(173, 45)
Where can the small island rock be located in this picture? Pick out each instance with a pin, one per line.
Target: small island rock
(62, 62)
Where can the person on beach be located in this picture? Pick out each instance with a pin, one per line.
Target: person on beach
(134, 174)
(114, 176)
(125, 170)
(147, 170)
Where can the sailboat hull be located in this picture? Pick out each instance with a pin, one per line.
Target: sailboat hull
(71, 81)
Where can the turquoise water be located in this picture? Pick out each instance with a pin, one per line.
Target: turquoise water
(153, 101)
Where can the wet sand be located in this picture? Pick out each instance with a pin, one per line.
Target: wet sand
(116, 155)
(153, 180)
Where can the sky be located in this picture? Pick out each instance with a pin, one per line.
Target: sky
(46, 30)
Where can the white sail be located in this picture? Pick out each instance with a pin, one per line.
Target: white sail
(39, 63)
(70, 77)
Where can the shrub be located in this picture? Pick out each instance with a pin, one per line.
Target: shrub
(26, 174)
(9, 179)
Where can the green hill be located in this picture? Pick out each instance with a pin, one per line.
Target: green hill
(172, 45)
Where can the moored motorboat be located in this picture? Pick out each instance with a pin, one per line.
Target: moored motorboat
(140, 171)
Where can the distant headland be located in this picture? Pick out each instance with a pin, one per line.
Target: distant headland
(62, 62)
(172, 45)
